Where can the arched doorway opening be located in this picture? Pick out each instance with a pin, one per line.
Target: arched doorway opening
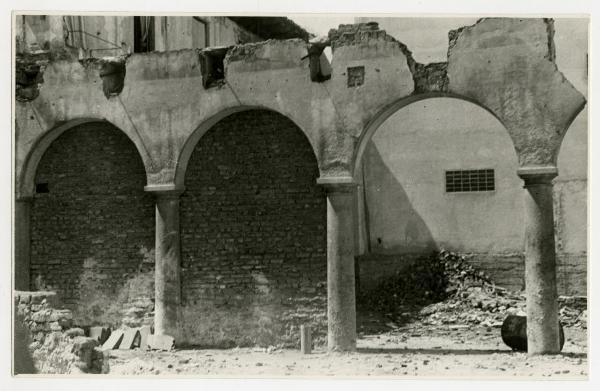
(253, 234)
(438, 173)
(92, 226)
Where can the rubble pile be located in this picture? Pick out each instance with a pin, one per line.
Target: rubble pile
(445, 289)
(70, 353)
(47, 338)
(573, 311)
(38, 314)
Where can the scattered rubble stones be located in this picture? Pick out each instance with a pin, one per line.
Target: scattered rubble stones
(56, 346)
(160, 342)
(39, 316)
(445, 289)
(61, 354)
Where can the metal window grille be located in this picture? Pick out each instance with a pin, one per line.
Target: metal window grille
(470, 180)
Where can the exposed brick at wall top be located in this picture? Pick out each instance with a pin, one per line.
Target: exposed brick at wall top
(253, 219)
(93, 233)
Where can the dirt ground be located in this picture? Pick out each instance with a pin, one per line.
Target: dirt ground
(414, 350)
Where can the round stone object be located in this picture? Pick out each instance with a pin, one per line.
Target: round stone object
(514, 333)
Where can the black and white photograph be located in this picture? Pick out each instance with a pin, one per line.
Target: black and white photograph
(291, 196)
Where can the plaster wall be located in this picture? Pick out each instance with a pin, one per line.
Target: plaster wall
(184, 32)
(36, 32)
(408, 209)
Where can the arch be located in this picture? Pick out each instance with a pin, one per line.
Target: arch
(92, 223)
(191, 142)
(387, 111)
(252, 215)
(404, 200)
(26, 185)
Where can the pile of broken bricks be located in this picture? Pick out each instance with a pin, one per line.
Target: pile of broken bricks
(131, 338)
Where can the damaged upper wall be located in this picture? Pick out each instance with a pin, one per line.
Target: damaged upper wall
(111, 35)
(507, 66)
(164, 103)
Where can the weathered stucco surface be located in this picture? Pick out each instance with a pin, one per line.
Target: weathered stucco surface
(504, 65)
(507, 66)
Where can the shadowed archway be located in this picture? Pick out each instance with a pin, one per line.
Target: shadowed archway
(253, 231)
(92, 233)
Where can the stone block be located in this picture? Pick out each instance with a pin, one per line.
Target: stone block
(23, 297)
(160, 342)
(75, 332)
(83, 348)
(57, 315)
(130, 338)
(41, 316)
(114, 340)
(100, 361)
(100, 333)
(145, 332)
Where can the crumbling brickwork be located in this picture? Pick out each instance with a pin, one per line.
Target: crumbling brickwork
(39, 314)
(253, 228)
(92, 233)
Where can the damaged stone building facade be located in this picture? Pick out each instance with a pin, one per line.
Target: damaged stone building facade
(204, 174)
(406, 209)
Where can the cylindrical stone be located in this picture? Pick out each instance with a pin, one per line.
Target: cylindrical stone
(514, 333)
(305, 340)
(167, 272)
(540, 264)
(22, 242)
(341, 303)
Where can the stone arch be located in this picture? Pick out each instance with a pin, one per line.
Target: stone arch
(26, 186)
(387, 111)
(253, 232)
(191, 142)
(92, 224)
(404, 211)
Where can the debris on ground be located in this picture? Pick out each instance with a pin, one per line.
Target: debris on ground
(444, 289)
(160, 342)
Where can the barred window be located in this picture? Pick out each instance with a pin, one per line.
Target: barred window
(470, 180)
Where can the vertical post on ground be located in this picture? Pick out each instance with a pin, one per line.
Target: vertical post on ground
(540, 261)
(341, 302)
(167, 285)
(22, 242)
(305, 340)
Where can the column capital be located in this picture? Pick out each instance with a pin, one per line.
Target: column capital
(165, 191)
(537, 175)
(343, 184)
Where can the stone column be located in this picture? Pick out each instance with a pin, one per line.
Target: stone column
(341, 302)
(22, 242)
(167, 285)
(540, 261)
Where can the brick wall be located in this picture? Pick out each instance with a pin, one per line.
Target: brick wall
(253, 232)
(92, 234)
